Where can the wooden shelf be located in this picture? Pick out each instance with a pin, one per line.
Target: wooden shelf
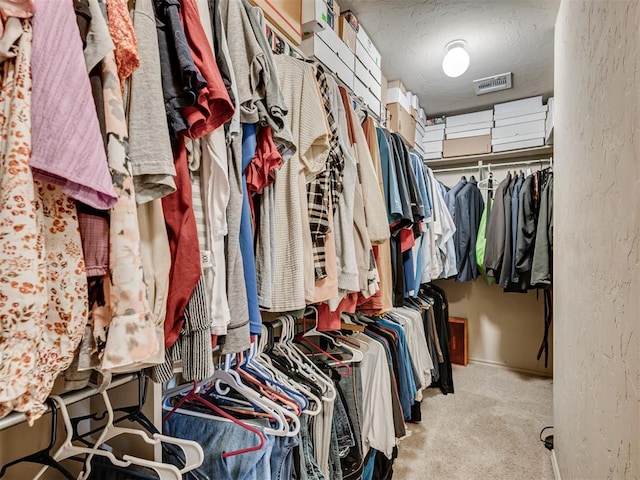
(536, 153)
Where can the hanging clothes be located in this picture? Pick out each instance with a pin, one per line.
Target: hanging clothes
(542, 262)
(468, 212)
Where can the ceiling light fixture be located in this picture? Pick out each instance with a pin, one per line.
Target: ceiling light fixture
(456, 61)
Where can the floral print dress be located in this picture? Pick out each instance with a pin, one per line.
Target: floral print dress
(43, 287)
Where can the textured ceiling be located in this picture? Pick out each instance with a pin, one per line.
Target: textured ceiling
(502, 36)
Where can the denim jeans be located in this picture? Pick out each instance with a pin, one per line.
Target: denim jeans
(217, 437)
(350, 387)
(309, 469)
(335, 467)
(342, 425)
(282, 457)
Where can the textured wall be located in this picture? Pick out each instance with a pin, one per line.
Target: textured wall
(597, 238)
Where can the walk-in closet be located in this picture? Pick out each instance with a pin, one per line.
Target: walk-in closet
(319, 239)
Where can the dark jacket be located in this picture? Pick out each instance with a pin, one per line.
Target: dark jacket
(468, 212)
(542, 265)
(526, 227)
(496, 229)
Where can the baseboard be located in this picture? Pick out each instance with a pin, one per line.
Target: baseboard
(509, 367)
(554, 463)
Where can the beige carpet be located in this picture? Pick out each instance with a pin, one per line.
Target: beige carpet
(487, 430)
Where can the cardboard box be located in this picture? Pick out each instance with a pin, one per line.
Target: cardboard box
(470, 118)
(347, 34)
(539, 126)
(284, 15)
(506, 147)
(336, 16)
(461, 147)
(401, 122)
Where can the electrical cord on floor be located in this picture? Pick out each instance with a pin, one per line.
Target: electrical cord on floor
(548, 440)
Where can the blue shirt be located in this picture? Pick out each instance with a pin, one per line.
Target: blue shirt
(389, 179)
(249, 145)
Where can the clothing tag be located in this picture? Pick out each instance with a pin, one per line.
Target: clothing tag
(206, 258)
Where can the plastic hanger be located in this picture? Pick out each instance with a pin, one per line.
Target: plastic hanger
(265, 361)
(44, 456)
(67, 450)
(192, 395)
(306, 367)
(193, 453)
(309, 368)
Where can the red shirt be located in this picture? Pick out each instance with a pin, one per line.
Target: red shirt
(214, 107)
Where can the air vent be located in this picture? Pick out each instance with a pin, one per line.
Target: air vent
(492, 84)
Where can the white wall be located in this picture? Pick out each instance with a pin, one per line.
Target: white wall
(504, 328)
(597, 240)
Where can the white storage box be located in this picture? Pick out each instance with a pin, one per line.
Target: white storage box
(370, 64)
(519, 113)
(464, 128)
(433, 135)
(335, 43)
(365, 76)
(432, 155)
(549, 125)
(520, 129)
(505, 147)
(470, 118)
(315, 15)
(532, 117)
(515, 138)
(314, 46)
(432, 146)
(469, 133)
(366, 45)
(523, 105)
(396, 95)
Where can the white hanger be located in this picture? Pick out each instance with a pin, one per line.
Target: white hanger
(311, 369)
(356, 355)
(67, 449)
(193, 453)
(265, 362)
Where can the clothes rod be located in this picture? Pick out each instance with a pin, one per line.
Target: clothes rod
(16, 418)
(490, 165)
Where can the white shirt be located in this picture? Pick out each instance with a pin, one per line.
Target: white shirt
(377, 418)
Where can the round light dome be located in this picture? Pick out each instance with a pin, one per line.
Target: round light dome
(456, 61)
